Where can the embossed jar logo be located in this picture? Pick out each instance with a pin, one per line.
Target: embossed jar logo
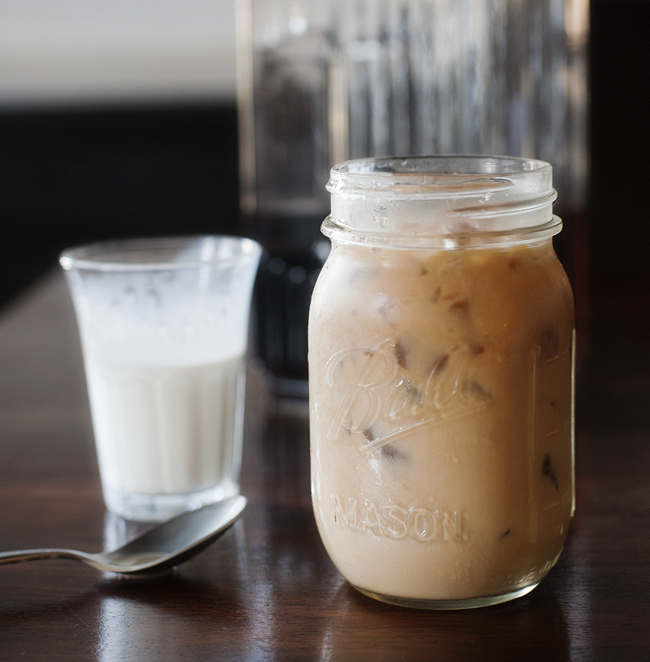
(379, 398)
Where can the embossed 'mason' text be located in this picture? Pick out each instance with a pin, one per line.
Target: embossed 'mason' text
(392, 521)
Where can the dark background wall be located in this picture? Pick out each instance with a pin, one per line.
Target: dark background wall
(78, 175)
(620, 218)
(71, 176)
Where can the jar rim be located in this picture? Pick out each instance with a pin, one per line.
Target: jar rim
(434, 176)
(447, 200)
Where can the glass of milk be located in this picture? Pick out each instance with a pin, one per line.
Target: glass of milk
(164, 330)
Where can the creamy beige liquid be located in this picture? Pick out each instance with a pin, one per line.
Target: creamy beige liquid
(441, 417)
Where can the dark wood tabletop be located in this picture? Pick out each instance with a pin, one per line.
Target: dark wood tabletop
(267, 590)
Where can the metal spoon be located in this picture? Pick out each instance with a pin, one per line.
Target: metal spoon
(159, 548)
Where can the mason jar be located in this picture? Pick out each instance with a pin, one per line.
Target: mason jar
(441, 379)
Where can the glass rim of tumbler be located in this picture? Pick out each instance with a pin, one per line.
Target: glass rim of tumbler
(457, 199)
(158, 253)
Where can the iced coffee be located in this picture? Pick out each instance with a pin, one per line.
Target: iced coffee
(441, 382)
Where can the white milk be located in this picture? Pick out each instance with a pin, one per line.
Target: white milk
(164, 429)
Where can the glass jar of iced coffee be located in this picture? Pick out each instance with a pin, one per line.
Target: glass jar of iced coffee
(441, 361)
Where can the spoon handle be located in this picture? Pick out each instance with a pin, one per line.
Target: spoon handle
(38, 554)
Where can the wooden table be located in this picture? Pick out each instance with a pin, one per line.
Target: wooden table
(267, 590)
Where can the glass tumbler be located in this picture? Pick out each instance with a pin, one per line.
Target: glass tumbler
(164, 330)
(441, 362)
(325, 81)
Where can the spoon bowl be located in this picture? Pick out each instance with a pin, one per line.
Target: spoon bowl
(158, 548)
